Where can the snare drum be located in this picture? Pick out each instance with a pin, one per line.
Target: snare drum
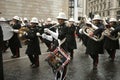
(57, 58)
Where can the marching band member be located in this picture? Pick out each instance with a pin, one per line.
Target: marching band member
(71, 41)
(109, 44)
(14, 42)
(26, 22)
(82, 36)
(1, 49)
(33, 48)
(61, 34)
(48, 24)
(95, 47)
(5, 42)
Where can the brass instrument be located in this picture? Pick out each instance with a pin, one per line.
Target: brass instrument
(88, 29)
(107, 32)
(21, 34)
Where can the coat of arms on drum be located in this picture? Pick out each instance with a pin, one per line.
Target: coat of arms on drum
(57, 58)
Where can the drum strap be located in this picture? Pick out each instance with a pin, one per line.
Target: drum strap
(61, 42)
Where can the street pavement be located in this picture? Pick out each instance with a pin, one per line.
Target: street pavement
(80, 68)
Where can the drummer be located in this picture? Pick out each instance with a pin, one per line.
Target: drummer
(61, 34)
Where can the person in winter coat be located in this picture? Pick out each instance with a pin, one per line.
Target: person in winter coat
(33, 47)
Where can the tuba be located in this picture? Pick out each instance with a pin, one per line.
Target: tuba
(90, 27)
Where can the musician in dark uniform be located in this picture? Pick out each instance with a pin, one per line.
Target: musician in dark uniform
(83, 37)
(14, 42)
(48, 24)
(71, 41)
(95, 47)
(1, 60)
(109, 44)
(33, 47)
(61, 34)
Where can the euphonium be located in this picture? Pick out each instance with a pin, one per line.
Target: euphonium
(91, 28)
(107, 33)
(87, 30)
(108, 30)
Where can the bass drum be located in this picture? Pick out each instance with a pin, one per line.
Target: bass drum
(7, 31)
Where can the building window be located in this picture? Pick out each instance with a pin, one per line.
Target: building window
(119, 3)
(108, 13)
(103, 14)
(71, 8)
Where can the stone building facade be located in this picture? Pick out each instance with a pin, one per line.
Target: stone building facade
(33, 8)
(106, 8)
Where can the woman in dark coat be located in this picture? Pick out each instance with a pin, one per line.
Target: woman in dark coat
(109, 44)
(33, 48)
(14, 42)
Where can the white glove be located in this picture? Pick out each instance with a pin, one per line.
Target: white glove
(53, 34)
(15, 30)
(25, 33)
(38, 34)
(80, 31)
(48, 37)
(43, 35)
(47, 30)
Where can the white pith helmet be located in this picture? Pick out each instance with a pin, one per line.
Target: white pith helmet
(2, 19)
(49, 19)
(25, 19)
(97, 17)
(16, 17)
(34, 20)
(113, 20)
(61, 16)
(71, 20)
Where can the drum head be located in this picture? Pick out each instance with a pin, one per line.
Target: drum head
(7, 33)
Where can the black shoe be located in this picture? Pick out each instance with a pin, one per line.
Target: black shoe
(31, 64)
(35, 66)
(15, 56)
